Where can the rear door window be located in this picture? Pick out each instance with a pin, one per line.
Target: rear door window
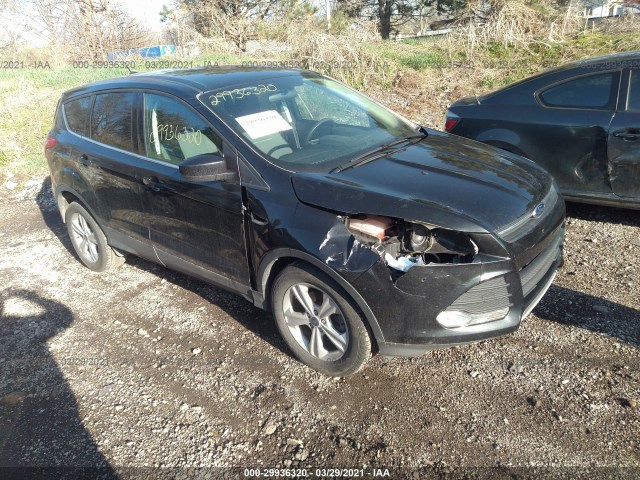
(173, 131)
(77, 113)
(112, 120)
(593, 92)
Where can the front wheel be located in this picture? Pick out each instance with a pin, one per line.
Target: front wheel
(318, 321)
(89, 241)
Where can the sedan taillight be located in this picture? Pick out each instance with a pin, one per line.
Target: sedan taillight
(450, 124)
(50, 142)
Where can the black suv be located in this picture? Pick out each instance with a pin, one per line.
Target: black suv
(358, 229)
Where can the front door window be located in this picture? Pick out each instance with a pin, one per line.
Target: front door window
(174, 132)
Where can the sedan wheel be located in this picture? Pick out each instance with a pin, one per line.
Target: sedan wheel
(319, 322)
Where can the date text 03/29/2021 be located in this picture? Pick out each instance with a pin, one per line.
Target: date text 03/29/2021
(316, 472)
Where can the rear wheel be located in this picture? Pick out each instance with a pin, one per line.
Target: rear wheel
(317, 320)
(89, 241)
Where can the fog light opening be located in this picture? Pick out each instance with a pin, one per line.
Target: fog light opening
(454, 319)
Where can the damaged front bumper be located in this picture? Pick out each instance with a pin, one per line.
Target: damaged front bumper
(441, 305)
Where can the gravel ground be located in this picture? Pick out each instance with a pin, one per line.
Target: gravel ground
(146, 367)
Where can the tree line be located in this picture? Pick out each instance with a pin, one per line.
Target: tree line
(89, 29)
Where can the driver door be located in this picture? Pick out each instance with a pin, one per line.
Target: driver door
(195, 227)
(624, 141)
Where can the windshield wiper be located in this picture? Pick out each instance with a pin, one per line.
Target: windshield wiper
(381, 151)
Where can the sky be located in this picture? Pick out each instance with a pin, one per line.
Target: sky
(147, 11)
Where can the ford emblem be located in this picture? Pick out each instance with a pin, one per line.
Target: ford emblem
(538, 211)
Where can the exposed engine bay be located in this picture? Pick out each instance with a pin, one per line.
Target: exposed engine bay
(404, 245)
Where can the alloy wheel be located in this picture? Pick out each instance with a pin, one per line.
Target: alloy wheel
(315, 321)
(84, 238)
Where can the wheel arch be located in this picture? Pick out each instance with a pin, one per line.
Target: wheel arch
(277, 260)
(65, 195)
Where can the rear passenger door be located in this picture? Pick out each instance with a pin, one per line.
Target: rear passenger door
(76, 167)
(195, 227)
(573, 129)
(624, 140)
(112, 161)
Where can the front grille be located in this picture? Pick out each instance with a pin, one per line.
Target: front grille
(486, 302)
(524, 224)
(534, 272)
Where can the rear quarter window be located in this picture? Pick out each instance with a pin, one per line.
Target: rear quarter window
(112, 120)
(77, 113)
(593, 92)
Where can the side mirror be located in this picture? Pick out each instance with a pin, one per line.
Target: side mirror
(207, 167)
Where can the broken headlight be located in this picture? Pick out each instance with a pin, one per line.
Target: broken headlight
(405, 244)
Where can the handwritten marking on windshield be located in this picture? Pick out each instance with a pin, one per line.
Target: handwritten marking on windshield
(240, 93)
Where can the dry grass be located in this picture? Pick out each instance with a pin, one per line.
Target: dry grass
(517, 23)
(351, 57)
(626, 24)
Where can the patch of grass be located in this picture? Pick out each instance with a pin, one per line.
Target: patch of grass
(601, 43)
(4, 159)
(62, 78)
(422, 60)
(492, 83)
(417, 56)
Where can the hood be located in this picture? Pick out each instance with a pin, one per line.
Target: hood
(444, 180)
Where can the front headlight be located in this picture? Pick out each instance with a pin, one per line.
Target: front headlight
(404, 244)
(422, 239)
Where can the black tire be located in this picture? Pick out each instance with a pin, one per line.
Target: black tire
(89, 241)
(347, 322)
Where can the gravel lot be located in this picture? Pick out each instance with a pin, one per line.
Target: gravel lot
(146, 367)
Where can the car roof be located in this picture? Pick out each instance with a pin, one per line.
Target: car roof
(588, 64)
(614, 57)
(187, 81)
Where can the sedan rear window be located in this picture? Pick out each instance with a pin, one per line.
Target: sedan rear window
(591, 92)
(112, 120)
(77, 113)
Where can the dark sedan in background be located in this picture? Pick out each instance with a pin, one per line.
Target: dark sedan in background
(581, 122)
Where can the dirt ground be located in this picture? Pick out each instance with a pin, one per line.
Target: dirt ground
(144, 367)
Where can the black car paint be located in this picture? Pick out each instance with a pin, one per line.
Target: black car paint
(433, 182)
(239, 233)
(594, 155)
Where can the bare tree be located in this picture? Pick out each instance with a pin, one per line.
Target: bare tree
(87, 29)
(10, 37)
(233, 20)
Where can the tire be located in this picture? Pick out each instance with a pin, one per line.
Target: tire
(89, 241)
(341, 344)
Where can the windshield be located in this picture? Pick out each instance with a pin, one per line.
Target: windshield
(306, 122)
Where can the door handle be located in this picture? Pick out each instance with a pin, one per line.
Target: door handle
(153, 183)
(627, 135)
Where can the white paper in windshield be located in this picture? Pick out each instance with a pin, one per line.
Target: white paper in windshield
(262, 124)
